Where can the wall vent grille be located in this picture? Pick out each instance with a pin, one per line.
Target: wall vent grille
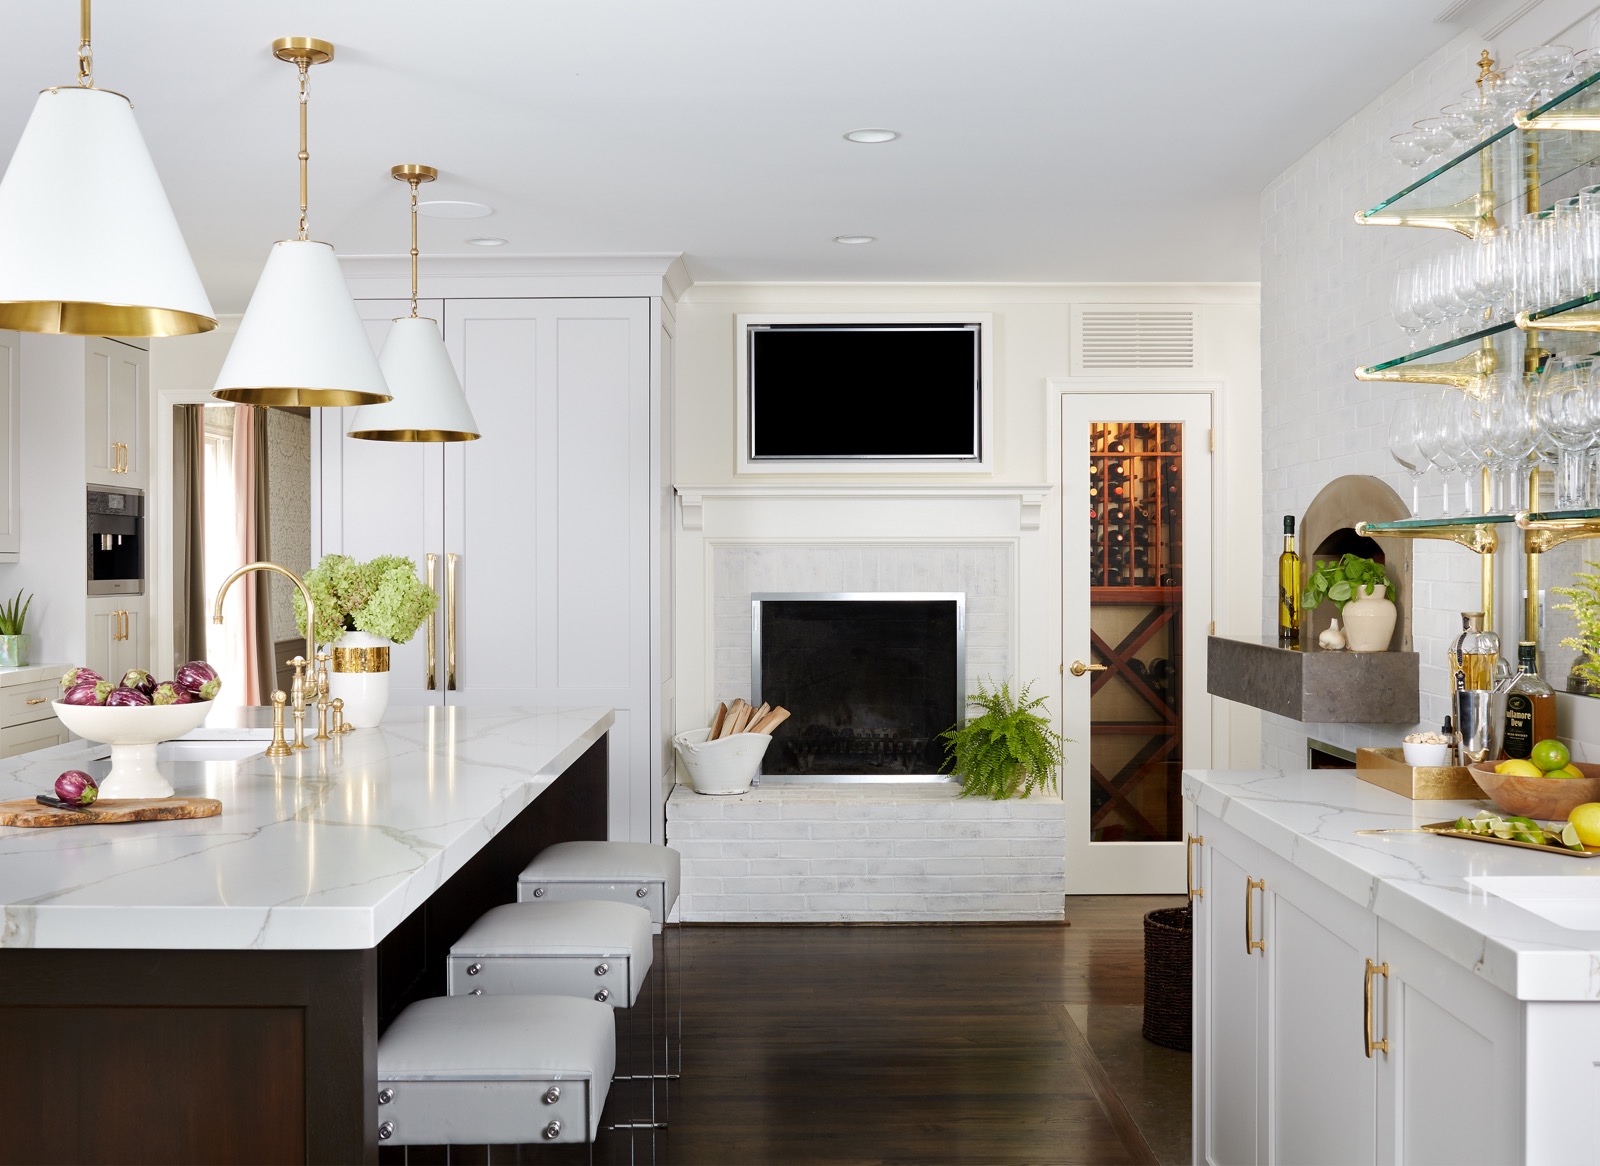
(1134, 338)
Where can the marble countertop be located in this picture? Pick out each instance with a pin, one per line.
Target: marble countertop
(31, 673)
(1418, 882)
(330, 848)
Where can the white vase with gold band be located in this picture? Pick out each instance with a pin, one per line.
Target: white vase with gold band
(358, 674)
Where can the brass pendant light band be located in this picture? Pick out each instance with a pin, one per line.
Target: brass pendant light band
(88, 319)
(414, 434)
(309, 49)
(298, 398)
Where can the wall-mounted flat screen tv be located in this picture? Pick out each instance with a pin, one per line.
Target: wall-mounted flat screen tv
(878, 391)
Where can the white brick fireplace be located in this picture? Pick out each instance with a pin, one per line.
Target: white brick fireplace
(811, 852)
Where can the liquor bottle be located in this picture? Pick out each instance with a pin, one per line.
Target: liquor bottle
(1530, 706)
(1288, 589)
(1473, 655)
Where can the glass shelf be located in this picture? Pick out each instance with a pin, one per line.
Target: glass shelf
(1546, 319)
(1441, 523)
(1544, 529)
(1372, 370)
(1448, 194)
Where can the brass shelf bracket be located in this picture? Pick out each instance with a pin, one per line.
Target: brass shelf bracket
(1573, 120)
(1544, 534)
(1470, 217)
(1476, 537)
(1467, 373)
(1575, 320)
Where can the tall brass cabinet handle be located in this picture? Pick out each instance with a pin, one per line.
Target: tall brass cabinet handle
(433, 622)
(1250, 942)
(1367, 1010)
(1188, 866)
(450, 562)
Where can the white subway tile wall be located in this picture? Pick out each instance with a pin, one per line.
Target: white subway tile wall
(1325, 309)
(867, 853)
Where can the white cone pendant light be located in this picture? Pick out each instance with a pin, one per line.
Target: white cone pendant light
(301, 341)
(88, 242)
(428, 402)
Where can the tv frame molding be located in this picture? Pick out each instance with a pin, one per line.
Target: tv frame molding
(983, 464)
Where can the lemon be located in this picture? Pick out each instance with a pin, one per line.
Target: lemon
(1517, 767)
(1585, 819)
(1566, 773)
(1550, 754)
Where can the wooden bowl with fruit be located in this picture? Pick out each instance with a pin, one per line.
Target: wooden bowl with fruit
(1547, 785)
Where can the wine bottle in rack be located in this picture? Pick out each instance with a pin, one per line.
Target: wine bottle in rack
(1117, 445)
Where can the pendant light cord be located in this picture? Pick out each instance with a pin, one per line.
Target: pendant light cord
(305, 155)
(85, 52)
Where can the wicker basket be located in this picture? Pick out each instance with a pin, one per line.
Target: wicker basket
(1168, 989)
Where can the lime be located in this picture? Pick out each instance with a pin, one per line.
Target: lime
(1569, 837)
(1550, 754)
(1585, 819)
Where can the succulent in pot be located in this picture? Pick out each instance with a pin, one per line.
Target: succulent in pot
(88, 692)
(199, 678)
(127, 698)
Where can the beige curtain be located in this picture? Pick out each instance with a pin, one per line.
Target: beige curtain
(190, 603)
(250, 519)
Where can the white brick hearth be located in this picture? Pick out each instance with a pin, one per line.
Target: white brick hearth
(891, 853)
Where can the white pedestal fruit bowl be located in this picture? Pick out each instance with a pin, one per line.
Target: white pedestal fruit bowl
(133, 732)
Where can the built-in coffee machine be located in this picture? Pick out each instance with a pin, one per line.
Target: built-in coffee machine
(116, 542)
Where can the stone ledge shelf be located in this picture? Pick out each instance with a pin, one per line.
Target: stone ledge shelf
(1367, 688)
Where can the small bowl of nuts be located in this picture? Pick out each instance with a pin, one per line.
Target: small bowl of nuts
(1426, 749)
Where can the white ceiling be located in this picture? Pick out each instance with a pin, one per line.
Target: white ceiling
(1043, 139)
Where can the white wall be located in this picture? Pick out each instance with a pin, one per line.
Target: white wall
(1032, 325)
(1325, 309)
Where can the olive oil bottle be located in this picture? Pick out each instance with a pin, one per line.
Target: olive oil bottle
(1530, 706)
(1288, 589)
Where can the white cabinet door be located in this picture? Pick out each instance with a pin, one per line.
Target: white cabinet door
(10, 458)
(116, 380)
(1234, 1067)
(386, 498)
(17, 739)
(1321, 1088)
(116, 636)
(549, 517)
(1450, 1088)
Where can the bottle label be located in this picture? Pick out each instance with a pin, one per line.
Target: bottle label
(1519, 726)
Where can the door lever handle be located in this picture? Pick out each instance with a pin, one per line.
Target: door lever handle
(1078, 668)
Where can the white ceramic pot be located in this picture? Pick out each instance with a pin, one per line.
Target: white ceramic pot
(14, 651)
(358, 674)
(727, 766)
(1369, 620)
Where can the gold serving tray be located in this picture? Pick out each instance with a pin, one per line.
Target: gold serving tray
(1449, 828)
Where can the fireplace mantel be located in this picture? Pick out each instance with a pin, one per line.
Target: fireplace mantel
(693, 500)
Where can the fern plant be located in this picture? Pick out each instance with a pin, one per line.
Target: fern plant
(14, 615)
(1007, 751)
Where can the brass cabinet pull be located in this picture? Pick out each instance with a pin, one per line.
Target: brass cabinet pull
(450, 562)
(124, 462)
(433, 622)
(1250, 942)
(1078, 668)
(36, 700)
(1188, 866)
(1367, 1009)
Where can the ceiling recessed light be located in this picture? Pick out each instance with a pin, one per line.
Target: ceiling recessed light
(452, 209)
(487, 241)
(872, 136)
(852, 240)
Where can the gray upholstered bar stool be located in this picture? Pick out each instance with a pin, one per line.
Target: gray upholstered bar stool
(470, 1070)
(594, 949)
(624, 872)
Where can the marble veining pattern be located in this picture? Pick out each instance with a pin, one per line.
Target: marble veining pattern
(1417, 882)
(330, 848)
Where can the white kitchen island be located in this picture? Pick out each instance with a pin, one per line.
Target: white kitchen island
(1472, 1037)
(213, 989)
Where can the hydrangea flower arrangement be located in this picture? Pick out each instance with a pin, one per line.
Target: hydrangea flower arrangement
(382, 596)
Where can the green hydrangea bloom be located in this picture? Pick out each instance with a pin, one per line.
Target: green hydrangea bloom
(382, 596)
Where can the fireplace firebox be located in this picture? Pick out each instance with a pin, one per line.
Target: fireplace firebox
(870, 680)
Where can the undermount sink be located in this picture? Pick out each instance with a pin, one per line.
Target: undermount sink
(1571, 901)
(204, 750)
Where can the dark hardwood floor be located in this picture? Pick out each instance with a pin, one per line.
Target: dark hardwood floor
(906, 1044)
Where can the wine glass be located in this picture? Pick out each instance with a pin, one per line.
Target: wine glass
(1514, 434)
(1431, 442)
(1404, 425)
(1431, 315)
(1460, 419)
(1564, 410)
(1403, 304)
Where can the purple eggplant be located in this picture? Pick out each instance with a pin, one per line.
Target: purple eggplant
(77, 788)
(127, 698)
(89, 692)
(73, 677)
(140, 679)
(167, 692)
(199, 678)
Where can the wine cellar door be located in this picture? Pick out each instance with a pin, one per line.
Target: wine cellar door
(1136, 550)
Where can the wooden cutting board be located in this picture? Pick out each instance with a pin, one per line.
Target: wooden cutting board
(27, 812)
